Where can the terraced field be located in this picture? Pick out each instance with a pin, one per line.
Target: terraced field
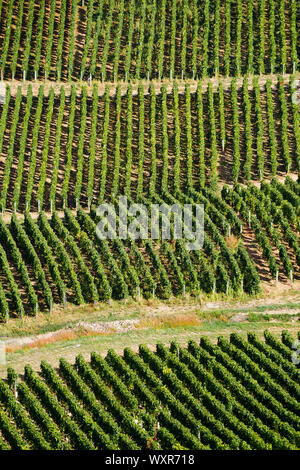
(169, 104)
(109, 40)
(78, 148)
(237, 394)
(46, 262)
(231, 142)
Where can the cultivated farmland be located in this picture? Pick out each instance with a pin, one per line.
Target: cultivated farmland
(238, 395)
(165, 104)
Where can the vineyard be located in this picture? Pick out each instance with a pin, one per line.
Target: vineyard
(112, 40)
(166, 104)
(223, 147)
(237, 394)
(58, 260)
(68, 149)
(231, 144)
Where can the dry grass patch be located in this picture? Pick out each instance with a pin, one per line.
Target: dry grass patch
(232, 242)
(58, 336)
(170, 321)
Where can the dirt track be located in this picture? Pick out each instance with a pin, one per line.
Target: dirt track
(226, 82)
(281, 300)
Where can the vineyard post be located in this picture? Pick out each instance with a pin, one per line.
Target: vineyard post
(148, 75)
(229, 230)
(181, 74)
(183, 290)
(24, 75)
(249, 218)
(291, 276)
(76, 203)
(51, 206)
(193, 74)
(35, 75)
(277, 278)
(223, 145)
(227, 287)
(171, 74)
(241, 229)
(242, 285)
(6, 315)
(214, 288)
(153, 292)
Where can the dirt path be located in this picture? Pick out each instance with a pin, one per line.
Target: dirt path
(120, 325)
(84, 346)
(226, 82)
(80, 329)
(281, 300)
(6, 216)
